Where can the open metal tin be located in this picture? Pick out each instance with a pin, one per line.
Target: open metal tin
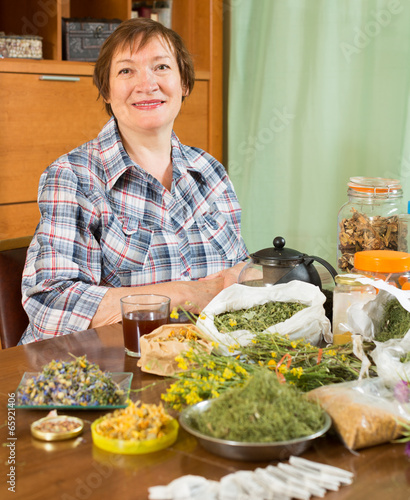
(57, 428)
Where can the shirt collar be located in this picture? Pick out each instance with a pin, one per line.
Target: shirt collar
(116, 160)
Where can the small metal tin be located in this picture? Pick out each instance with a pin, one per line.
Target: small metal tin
(53, 428)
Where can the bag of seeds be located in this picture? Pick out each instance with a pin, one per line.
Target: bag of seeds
(364, 413)
(294, 309)
(160, 347)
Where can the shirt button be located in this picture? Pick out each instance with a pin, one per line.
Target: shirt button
(182, 234)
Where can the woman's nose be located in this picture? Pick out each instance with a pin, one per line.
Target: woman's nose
(146, 82)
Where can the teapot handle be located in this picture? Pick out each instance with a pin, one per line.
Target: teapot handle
(326, 264)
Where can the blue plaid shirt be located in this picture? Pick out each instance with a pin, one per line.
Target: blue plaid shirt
(106, 222)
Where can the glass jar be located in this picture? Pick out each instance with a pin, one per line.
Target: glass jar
(387, 265)
(369, 220)
(348, 292)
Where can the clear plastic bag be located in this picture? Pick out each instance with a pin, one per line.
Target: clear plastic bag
(364, 413)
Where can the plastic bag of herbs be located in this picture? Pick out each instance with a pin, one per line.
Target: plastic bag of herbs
(231, 317)
(392, 359)
(385, 317)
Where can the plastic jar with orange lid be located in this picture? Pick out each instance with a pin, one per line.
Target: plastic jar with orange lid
(387, 265)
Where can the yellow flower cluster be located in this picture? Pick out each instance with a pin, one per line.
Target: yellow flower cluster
(204, 376)
(135, 422)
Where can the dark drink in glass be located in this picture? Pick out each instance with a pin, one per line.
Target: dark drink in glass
(138, 323)
(142, 314)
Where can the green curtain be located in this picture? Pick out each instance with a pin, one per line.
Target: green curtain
(318, 93)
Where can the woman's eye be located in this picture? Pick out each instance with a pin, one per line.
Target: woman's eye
(124, 71)
(163, 66)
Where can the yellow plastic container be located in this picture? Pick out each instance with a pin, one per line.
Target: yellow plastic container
(129, 447)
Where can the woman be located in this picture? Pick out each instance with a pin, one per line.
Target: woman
(134, 210)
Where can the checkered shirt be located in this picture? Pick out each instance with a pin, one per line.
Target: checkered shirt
(106, 222)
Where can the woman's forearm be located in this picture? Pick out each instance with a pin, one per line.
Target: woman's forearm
(191, 295)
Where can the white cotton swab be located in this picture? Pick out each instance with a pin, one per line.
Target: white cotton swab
(293, 487)
(330, 469)
(309, 480)
(323, 478)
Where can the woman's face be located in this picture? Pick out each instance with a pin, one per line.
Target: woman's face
(145, 88)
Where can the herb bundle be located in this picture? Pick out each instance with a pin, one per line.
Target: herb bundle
(257, 318)
(263, 410)
(207, 376)
(71, 383)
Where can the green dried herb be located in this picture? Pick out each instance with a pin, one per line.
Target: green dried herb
(405, 358)
(263, 410)
(257, 318)
(395, 323)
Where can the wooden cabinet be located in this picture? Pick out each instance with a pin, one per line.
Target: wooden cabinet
(50, 106)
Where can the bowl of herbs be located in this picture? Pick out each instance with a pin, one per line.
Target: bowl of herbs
(262, 420)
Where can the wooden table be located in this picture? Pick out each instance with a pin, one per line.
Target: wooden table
(64, 471)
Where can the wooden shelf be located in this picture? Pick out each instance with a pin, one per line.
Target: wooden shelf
(41, 120)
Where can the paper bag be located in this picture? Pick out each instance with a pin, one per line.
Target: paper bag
(160, 348)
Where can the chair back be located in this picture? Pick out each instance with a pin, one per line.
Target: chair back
(13, 318)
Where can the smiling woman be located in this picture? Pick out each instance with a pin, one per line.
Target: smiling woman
(134, 210)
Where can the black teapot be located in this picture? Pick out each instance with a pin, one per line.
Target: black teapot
(272, 266)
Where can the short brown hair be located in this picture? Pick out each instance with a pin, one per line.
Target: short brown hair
(126, 34)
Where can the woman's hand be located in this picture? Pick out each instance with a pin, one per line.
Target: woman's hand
(192, 296)
(229, 276)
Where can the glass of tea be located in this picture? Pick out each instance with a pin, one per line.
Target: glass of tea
(141, 314)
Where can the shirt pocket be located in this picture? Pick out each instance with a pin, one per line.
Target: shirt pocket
(219, 234)
(126, 244)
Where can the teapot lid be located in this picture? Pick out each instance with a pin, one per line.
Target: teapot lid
(277, 254)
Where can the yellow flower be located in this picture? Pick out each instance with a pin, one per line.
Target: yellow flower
(297, 372)
(231, 348)
(332, 352)
(193, 398)
(232, 322)
(181, 363)
(343, 357)
(271, 363)
(215, 344)
(228, 374)
(260, 363)
(273, 354)
(241, 370)
(294, 344)
(202, 316)
(214, 393)
(174, 313)
(282, 369)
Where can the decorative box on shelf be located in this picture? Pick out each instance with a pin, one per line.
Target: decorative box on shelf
(82, 38)
(24, 46)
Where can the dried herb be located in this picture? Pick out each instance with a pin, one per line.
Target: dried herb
(257, 318)
(207, 376)
(395, 323)
(72, 383)
(361, 232)
(263, 410)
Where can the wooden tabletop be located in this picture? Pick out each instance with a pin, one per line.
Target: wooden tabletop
(73, 470)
